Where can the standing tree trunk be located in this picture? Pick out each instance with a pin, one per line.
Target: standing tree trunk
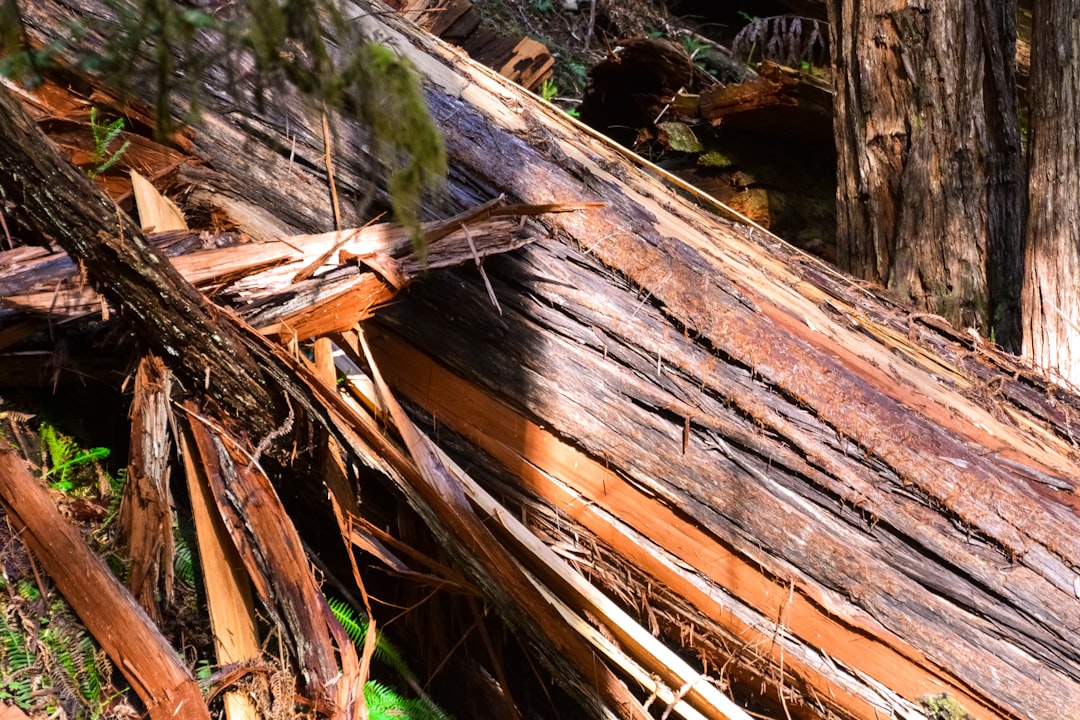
(1052, 267)
(929, 200)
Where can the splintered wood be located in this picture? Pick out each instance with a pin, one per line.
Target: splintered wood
(145, 509)
(836, 506)
(124, 631)
(225, 582)
(520, 59)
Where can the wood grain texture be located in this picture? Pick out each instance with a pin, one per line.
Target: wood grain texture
(891, 473)
(109, 612)
(929, 196)
(1051, 295)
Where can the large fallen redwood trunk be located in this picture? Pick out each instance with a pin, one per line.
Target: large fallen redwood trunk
(819, 491)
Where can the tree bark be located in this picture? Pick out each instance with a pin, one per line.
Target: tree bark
(64, 206)
(929, 194)
(851, 505)
(121, 627)
(1052, 261)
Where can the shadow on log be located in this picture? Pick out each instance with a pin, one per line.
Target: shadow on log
(839, 506)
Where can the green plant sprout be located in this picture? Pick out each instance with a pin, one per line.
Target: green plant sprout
(549, 90)
(65, 457)
(104, 136)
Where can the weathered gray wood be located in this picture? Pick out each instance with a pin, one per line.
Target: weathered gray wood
(908, 482)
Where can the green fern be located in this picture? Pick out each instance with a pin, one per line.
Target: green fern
(27, 590)
(78, 671)
(384, 703)
(104, 135)
(183, 562)
(65, 455)
(356, 626)
(49, 664)
(14, 655)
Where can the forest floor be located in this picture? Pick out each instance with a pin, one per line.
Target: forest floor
(775, 167)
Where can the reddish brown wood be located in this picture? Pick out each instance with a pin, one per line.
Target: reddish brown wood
(1051, 292)
(146, 508)
(929, 200)
(109, 612)
(274, 557)
(895, 472)
(774, 88)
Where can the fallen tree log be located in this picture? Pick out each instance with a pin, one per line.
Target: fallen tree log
(124, 631)
(852, 505)
(113, 252)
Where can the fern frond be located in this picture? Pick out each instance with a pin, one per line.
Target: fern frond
(86, 671)
(356, 626)
(13, 650)
(183, 563)
(27, 590)
(57, 445)
(383, 703)
(112, 158)
(787, 39)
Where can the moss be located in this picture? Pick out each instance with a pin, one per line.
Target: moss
(943, 706)
(406, 140)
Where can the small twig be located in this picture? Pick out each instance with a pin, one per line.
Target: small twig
(310, 269)
(668, 105)
(592, 24)
(480, 267)
(7, 233)
(284, 428)
(648, 295)
(330, 172)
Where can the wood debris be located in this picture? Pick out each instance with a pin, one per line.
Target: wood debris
(838, 507)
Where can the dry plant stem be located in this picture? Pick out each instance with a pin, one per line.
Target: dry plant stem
(330, 172)
(109, 612)
(480, 268)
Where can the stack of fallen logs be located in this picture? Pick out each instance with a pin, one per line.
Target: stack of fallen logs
(837, 507)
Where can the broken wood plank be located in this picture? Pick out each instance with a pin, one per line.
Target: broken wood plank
(65, 204)
(774, 88)
(273, 555)
(112, 616)
(770, 403)
(228, 590)
(145, 520)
